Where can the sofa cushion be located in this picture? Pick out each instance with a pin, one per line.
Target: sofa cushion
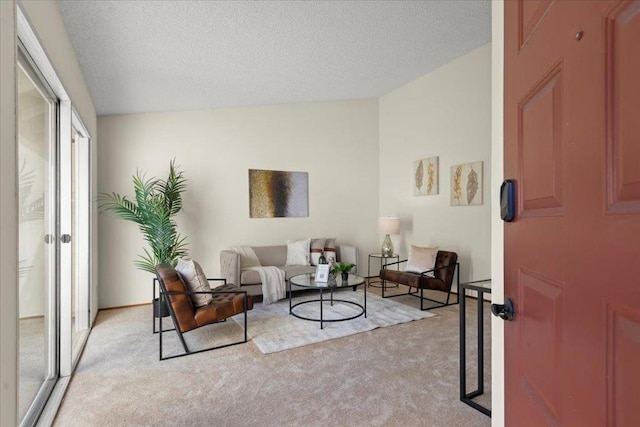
(298, 252)
(294, 270)
(252, 277)
(271, 255)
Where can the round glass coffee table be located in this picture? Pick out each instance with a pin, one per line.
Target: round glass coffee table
(308, 281)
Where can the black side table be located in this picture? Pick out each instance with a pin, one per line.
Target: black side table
(383, 260)
(481, 287)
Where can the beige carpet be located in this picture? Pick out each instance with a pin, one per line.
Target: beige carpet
(272, 329)
(402, 375)
(31, 356)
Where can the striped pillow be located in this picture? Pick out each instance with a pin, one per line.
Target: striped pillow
(330, 249)
(317, 247)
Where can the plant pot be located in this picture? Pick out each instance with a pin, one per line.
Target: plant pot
(160, 311)
(345, 276)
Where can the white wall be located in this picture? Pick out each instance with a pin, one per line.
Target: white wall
(335, 142)
(446, 113)
(45, 19)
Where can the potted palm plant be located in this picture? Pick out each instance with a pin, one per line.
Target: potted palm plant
(343, 268)
(155, 204)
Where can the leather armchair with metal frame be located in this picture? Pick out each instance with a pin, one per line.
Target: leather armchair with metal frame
(228, 300)
(443, 273)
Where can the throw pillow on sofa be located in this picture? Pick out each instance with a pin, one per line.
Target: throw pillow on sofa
(330, 249)
(298, 252)
(317, 247)
(196, 281)
(422, 259)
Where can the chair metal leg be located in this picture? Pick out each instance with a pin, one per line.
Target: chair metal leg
(448, 296)
(161, 331)
(184, 344)
(245, 318)
(160, 339)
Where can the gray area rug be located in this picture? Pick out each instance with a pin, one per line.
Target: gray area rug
(272, 329)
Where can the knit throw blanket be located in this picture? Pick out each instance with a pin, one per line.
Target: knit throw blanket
(248, 257)
(273, 284)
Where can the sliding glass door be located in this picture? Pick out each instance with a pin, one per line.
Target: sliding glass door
(37, 213)
(54, 206)
(78, 262)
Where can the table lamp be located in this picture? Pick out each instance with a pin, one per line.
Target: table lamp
(388, 225)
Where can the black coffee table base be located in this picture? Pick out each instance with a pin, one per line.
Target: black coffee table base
(379, 284)
(308, 281)
(322, 320)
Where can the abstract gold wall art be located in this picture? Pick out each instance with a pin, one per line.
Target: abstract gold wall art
(425, 177)
(466, 184)
(275, 194)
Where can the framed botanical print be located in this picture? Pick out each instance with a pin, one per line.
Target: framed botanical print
(425, 177)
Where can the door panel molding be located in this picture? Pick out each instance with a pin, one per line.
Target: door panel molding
(623, 330)
(530, 17)
(622, 104)
(541, 298)
(540, 147)
(538, 405)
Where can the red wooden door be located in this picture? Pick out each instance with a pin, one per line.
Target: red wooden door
(572, 256)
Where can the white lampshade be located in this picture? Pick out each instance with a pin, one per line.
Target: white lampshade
(389, 225)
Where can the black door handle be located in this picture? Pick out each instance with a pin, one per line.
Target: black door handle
(506, 311)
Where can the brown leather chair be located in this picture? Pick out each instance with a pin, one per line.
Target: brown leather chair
(228, 300)
(443, 272)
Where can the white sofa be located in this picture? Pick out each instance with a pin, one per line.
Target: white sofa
(249, 280)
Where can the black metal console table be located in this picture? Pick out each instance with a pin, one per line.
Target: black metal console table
(481, 287)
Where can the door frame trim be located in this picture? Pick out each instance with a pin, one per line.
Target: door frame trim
(497, 226)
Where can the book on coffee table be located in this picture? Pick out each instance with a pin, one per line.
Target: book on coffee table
(322, 273)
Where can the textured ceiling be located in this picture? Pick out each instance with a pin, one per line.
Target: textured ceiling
(148, 56)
